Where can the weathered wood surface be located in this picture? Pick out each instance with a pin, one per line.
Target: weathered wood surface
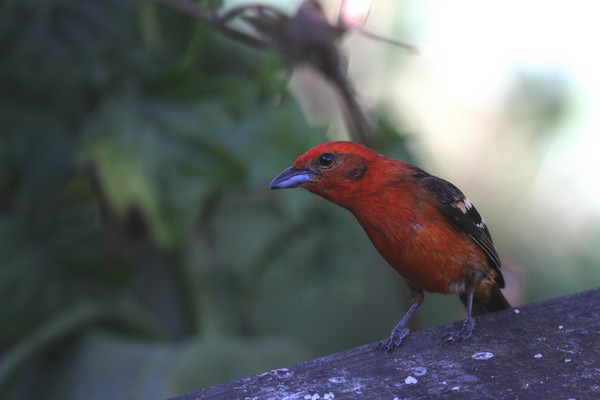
(547, 350)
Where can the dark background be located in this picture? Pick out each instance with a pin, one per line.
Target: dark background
(141, 254)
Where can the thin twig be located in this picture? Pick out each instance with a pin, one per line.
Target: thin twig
(212, 18)
(408, 47)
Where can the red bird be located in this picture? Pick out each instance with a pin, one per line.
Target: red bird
(423, 226)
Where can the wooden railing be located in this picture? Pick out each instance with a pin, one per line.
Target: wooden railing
(547, 350)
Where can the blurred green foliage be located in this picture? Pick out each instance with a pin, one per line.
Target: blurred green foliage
(141, 254)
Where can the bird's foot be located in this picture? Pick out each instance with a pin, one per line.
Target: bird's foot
(395, 340)
(463, 334)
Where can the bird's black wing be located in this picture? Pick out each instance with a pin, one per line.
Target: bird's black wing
(463, 215)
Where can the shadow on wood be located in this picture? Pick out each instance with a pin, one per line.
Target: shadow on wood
(549, 349)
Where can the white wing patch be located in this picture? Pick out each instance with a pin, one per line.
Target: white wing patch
(463, 205)
(481, 225)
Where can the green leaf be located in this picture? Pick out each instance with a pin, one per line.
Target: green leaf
(161, 160)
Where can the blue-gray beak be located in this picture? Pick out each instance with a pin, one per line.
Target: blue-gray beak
(291, 178)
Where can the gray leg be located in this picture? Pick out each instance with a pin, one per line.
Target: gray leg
(468, 325)
(400, 332)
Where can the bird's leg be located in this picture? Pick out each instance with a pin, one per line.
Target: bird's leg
(400, 332)
(468, 325)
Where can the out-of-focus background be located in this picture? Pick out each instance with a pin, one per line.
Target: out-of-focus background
(141, 254)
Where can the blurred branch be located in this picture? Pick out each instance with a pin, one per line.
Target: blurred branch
(353, 14)
(212, 18)
(199, 291)
(396, 43)
(306, 36)
(260, 264)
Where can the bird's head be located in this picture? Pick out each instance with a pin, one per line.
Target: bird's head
(336, 171)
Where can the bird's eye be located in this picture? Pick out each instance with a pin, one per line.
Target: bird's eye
(326, 159)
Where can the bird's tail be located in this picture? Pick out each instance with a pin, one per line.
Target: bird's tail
(493, 301)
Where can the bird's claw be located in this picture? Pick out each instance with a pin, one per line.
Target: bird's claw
(463, 334)
(395, 340)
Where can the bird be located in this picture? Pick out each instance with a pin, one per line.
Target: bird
(422, 225)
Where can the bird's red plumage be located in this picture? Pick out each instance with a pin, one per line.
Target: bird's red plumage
(423, 226)
(400, 218)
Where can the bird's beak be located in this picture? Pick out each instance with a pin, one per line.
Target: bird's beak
(290, 178)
